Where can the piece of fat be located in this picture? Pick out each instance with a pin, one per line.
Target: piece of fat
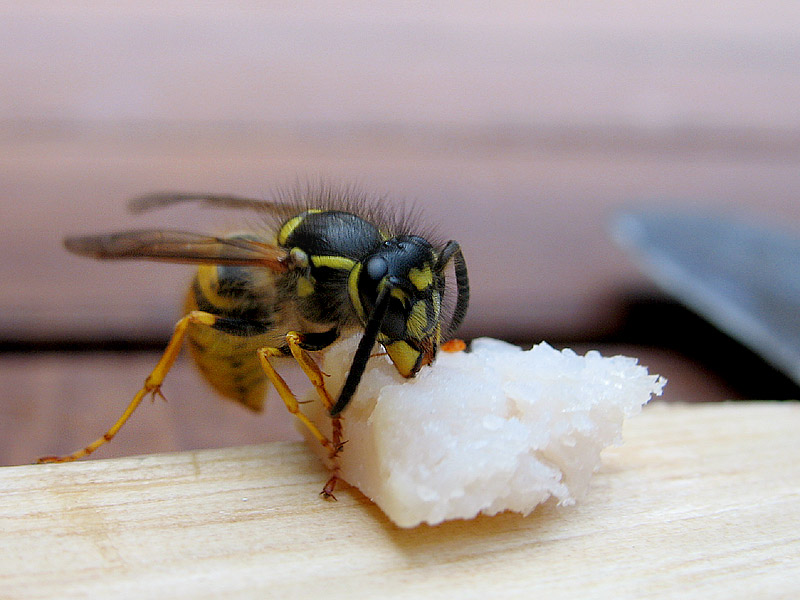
(485, 431)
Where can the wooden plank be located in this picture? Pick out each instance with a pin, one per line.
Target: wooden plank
(655, 65)
(518, 127)
(700, 502)
(533, 220)
(62, 401)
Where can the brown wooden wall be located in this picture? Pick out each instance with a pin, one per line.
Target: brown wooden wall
(520, 129)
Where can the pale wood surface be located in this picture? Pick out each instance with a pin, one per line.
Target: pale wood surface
(700, 502)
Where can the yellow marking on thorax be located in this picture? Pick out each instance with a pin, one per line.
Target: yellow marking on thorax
(305, 287)
(333, 262)
(290, 225)
(421, 278)
(352, 290)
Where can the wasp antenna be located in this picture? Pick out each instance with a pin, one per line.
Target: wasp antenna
(364, 350)
(452, 250)
(445, 255)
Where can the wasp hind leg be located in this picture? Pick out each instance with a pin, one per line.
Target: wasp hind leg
(152, 385)
(294, 342)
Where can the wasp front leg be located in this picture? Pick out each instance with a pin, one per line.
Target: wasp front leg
(294, 341)
(152, 384)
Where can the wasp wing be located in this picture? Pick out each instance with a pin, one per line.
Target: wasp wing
(148, 202)
(179, 247)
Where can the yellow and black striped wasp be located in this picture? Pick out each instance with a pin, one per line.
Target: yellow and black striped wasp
(321, 264)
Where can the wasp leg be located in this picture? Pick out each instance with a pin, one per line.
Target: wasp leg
(315, 375)
(152, 385)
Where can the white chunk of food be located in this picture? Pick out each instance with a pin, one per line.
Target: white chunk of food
(485, 431)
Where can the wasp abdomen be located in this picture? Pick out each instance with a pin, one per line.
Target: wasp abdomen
(226, 354)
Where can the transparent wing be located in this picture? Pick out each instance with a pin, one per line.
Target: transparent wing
(147, 202)
(179, 247)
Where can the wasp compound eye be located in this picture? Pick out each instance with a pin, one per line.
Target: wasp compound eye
(377, 268)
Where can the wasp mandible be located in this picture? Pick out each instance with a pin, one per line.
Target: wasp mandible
(321, 264)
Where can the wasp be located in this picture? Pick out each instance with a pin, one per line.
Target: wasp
(318, 265)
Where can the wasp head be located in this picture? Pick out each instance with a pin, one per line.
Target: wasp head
(403, 272)
(397, 293)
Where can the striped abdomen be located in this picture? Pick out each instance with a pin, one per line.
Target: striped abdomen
(226, 353)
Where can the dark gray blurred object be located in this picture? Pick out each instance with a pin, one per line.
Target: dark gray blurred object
(743, 277)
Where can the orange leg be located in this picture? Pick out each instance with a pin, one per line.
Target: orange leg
(315, 375)
(152, 385)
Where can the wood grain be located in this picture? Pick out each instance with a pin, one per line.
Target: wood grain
(700, 502)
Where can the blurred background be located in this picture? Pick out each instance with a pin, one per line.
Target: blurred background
(520, 129)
